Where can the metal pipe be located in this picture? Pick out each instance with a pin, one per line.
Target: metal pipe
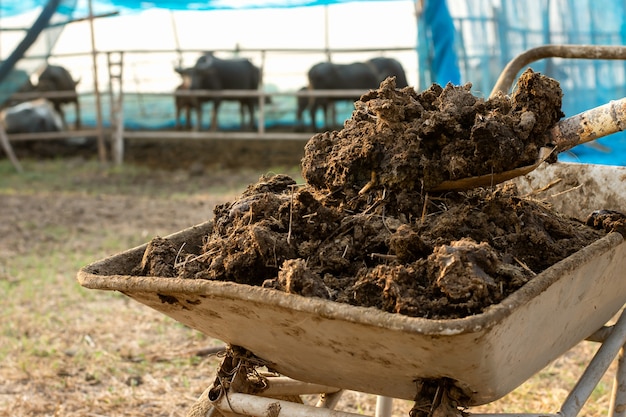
(617, 407)
(251, 405)
(384, 406)
(508, 75)
(282, 385)
(595, 370)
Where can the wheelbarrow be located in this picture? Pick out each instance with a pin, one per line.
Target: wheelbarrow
(283, 346)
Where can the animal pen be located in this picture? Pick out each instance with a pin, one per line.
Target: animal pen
(488, 34)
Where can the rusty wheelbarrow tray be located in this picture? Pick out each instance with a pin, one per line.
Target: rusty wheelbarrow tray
(368, 350)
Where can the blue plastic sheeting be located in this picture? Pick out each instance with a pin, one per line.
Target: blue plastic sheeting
(223, 4)
(11, 8)
(438, 23)
(17, 7)
(31, 36)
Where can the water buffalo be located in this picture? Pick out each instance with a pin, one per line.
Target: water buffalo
(32, 117)
(213, 73)
(389, 67)
(57, 78)
(185, 103)
(302, 103)
(355, 76)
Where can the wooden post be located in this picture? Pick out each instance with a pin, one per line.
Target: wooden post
(102, 152)
(262, 97)
(6, 145)
(116, 98)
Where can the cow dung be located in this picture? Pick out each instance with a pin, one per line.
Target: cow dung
(362, 231)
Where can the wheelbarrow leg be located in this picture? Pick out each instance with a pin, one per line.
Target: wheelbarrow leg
(329, 400)
(598, 366)
(383, 406)
(618, 397)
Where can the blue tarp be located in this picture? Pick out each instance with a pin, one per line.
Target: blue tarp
(17, 7)
(438, 22)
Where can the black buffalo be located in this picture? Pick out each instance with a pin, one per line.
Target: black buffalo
(302, 105)
(185, 103)
(58, 79)
(54, 78)
(389, 67)
(33, 116)
(355, 76)
(213, 73)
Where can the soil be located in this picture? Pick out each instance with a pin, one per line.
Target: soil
(362, 230)
(73, 352)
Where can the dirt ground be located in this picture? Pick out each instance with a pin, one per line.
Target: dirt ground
(68, 351)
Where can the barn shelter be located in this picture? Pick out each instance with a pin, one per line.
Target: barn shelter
(155, 36)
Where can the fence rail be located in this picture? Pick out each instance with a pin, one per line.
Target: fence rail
(260, 134)
(133, 77)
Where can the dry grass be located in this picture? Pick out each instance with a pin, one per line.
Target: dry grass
(68, 351)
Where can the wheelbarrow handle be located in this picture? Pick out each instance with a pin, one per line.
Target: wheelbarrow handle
(508, 75)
